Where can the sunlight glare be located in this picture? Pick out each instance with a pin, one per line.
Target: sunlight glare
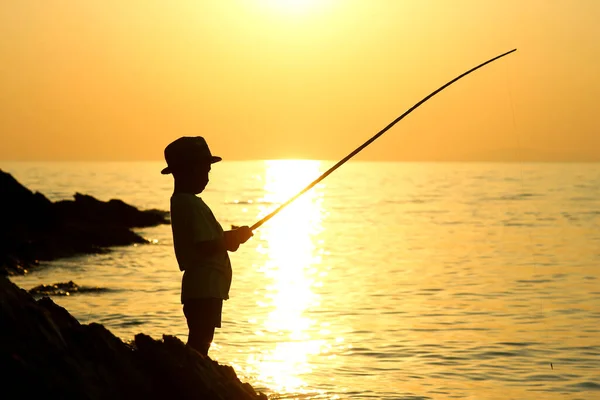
(292, 269)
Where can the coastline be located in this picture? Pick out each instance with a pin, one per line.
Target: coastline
(45, 352)
(36, 229)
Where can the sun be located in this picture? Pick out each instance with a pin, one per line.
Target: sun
(294, 7)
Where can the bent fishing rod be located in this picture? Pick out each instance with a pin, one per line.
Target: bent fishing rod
(371, 140)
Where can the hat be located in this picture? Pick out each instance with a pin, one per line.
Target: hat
(187, 151)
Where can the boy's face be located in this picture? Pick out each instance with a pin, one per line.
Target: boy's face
(199, 176)
(195, 178)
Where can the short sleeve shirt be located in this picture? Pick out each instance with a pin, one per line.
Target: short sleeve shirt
(192, 221)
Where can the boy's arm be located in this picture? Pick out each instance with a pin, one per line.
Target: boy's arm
(235, 237)
(230, 241)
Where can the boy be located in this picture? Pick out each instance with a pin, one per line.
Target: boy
(200, 243)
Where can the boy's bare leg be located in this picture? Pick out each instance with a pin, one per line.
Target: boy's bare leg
(202, 316)
(200, 338)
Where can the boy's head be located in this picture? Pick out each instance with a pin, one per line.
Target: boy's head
(189, 159)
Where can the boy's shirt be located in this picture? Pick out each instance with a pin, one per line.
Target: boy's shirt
(192, 221)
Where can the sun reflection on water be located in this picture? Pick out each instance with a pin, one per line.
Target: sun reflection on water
(289, 242)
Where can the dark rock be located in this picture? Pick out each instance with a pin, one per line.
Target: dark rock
(63, 289)
(46, 353)
(33, 228)
(87, 209)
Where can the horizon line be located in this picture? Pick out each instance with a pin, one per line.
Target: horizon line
(482, 161)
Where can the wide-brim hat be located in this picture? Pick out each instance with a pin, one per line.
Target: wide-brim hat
(186, 152)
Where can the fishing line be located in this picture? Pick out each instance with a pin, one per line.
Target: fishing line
(520, 162)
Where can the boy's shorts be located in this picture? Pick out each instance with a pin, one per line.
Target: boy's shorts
(203, 312)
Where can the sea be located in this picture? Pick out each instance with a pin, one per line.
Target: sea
(387, 280)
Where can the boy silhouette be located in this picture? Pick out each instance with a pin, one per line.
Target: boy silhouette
(199, 241)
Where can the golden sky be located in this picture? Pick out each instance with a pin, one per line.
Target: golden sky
(118, 80)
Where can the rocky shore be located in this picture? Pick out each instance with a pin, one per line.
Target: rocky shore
(34, 229)
(45, 352)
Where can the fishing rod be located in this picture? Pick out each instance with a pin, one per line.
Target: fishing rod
(371, 140)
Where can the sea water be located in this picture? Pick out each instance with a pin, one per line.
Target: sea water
(385, 281)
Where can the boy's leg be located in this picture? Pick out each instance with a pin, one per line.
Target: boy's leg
(200, 338)
(202, 315)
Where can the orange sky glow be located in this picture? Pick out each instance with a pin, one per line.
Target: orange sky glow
(267, 79)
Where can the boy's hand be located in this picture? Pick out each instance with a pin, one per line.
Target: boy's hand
(235, 237)
(243, 233)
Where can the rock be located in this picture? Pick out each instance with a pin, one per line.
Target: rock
(33, 228)
(46, 353)
(87, 209)
(63, 289)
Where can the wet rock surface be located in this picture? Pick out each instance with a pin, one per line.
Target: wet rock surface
(46, 353)
(64, 289)
(35, 229)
